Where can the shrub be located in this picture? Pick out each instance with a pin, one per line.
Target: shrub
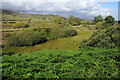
(109, 19)
(69, 31)
(43, 31)
(21, 25)
(74, 21)
(62, 32)
(98, 19)
(26, 38)
(54, 30)
(7, 34)
(60, 20)
(107, 38)
(85, 63)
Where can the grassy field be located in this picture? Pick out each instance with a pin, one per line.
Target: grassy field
(71, 43)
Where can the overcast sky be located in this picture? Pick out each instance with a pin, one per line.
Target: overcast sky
(78, 8)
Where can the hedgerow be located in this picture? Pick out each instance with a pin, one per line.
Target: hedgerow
(26, 38)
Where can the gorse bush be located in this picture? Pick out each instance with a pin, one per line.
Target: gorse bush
(107, 38)
(74, 21)
(69, 31)
(21, 25)
(60, 20)
(63, 32)
(26, 38)
(43, 31)
(7, 34)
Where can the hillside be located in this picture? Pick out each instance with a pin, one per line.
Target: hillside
(15, 16)
(71, 43)
(51, 46)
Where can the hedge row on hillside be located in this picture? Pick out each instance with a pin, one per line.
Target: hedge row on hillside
(41, 32)
(26, 39)
(107, 38)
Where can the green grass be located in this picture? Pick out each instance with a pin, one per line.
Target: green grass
(71, 43)
(84, 63)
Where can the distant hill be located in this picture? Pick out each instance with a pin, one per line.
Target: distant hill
(8, 15)
(7, 12)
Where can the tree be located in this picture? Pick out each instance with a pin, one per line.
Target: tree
(109, 19)
(98, 18)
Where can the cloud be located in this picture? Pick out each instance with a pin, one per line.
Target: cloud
(79, 8)
(60, 0)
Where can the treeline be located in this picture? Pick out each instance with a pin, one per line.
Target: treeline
(109, 19)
